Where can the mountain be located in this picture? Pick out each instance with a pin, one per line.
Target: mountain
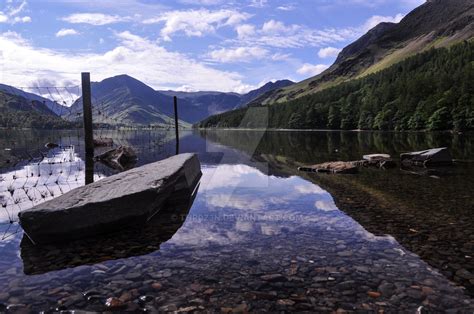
(432, 90)
(58, 109)
(124, 100)
(19, 112)
(269, 87)
(435, 24)
(14, 102)
(206, 104)
(211, 103)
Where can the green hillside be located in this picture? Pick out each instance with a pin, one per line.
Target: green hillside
(435, 24)
(432, 90)
(19, 112)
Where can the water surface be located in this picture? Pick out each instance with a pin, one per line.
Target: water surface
(258, 235)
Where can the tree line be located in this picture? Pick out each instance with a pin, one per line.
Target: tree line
(432, 90)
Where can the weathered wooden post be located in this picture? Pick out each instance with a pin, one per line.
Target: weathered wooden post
(88, 132)
(176, 123)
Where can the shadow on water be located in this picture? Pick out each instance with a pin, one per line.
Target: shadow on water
(428, 211)
(134, 241)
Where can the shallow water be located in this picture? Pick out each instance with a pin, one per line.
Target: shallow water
(258, 235)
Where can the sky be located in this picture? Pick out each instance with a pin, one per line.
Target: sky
(186, 45)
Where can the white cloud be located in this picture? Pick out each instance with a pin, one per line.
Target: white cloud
(310, 69)
(21, 19)
(202, 2)
(326, 206)
(274, 27)
(240, 54)
(242, 202)
(196, 22)
(11, 12)
(245, 30)
(278, 34)
(96, 19)
(377, 19)
(258, 3)
(328, 52)
(24, 64)
(66, 32)
(309, 189)
(275, 33)
(3, 17)
(286, 7)
(281, 56)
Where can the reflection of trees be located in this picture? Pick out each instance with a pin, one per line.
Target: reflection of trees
(385, 202)
(310, 147)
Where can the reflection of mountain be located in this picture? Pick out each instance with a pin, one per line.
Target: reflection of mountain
(135, 241)
(431, 217)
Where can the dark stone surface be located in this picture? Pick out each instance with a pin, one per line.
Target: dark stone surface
(122, 199)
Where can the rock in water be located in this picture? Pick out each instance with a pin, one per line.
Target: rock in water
(343, 167)
(379, 160)
(129, 197)
(430, 157)
(121, 158)
(51, 145)
(376, 157)
(103, 142)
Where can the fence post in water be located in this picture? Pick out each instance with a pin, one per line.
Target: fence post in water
(175, 99)
(88, 135)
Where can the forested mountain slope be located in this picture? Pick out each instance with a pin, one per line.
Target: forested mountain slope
(432, 90)
(19, 112)
(436, 23)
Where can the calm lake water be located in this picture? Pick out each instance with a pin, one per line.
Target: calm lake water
(258, 235)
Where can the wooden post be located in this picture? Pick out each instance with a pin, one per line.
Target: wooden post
(88, 135)
(176, 123)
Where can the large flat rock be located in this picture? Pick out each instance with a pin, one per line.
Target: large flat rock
(429, 157)
(130, 197)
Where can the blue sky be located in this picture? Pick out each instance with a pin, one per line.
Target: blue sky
(185, 44)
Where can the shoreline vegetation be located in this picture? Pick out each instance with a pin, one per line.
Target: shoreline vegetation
(429, 91)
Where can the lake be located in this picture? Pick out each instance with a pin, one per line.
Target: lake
(258, 235)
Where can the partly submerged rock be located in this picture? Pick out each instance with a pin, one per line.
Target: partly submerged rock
(120, 158)
(140, 239)
(51, 145)
(429, 157)
(379, 160)
(343, 167)
(129, 197)
(103, 142)
(376, 157)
